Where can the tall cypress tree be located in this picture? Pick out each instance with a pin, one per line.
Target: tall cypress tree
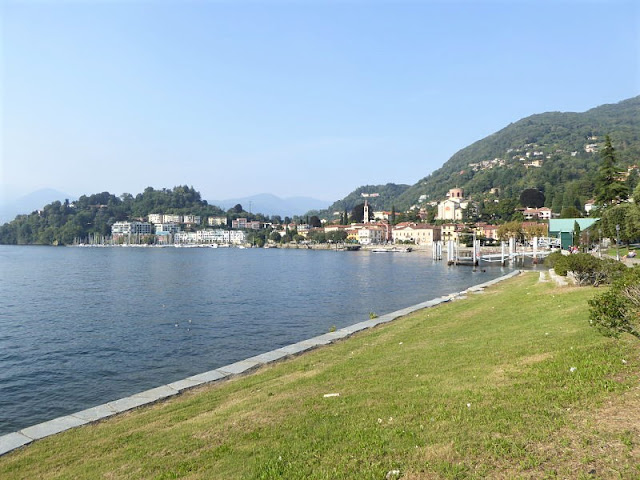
(609, 188)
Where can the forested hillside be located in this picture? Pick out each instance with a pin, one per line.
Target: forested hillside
(387, 196)
(557, 153)
(554, 152)
(60, 223)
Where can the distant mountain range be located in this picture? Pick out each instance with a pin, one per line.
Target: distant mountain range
(30, 202)
(555, 152)
(269, 204)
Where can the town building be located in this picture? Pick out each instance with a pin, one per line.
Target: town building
(171, 218)
(155, 218)
(131, 228)
(451, 208)
(371, 235)
(589, 205)
(167, 228)
(204, 237)
(490, 232)
(543, 213)
(451, 231)
(381, 215)
(191, 219)
(244, 224)
(216, 221)
(418, 233)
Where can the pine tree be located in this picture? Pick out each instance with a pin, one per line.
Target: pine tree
(576, 233)
(609, 188)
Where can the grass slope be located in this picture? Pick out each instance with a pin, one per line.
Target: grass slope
(512, 383)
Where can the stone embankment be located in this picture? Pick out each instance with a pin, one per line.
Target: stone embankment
(27, 435)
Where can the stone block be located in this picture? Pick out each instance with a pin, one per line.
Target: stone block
(51, 427)
(206, 377)
(268, 357)
(128, 403)
(95, 413)
(238, 367)
(11, 441)
(157, 393)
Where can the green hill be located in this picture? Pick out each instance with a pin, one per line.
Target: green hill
(387, 196)
(555, 152)
(558, 142)
(62, 223)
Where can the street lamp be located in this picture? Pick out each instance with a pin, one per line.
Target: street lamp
(600, 243)
(618, 242)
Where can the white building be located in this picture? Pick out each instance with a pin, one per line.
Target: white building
(155, 218)
(191, 219)
(420, 234)
(215, 221)
(543, 213)
(371, 235)
(164, 228)
(451, 208)
(131, 228)
(170, 218)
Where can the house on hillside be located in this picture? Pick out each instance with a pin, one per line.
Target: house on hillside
(543, 213)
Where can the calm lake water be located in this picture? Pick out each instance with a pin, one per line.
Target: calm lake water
(83, 326)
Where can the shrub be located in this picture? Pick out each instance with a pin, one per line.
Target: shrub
(552, 258)
(617, 310)
(587, 269)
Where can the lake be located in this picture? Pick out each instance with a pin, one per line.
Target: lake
(83, 326)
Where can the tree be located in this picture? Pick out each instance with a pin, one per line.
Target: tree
(576, 233)
(510, 229)
(570, 212)
(532, 197)
(536, 230)
(617, 310)
(626, 216)
(317, 236)
(357, 214)
(237, 208)
(337, 236)
(314, 221)
(392, 217)
(609, 188)
(275, 236)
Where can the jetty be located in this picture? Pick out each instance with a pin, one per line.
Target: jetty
(506, 253)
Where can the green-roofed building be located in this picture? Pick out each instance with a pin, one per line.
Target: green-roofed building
(562, 228)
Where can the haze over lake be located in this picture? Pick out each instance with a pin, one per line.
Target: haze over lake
(84, 326)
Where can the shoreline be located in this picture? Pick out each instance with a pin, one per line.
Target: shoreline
(25, 436)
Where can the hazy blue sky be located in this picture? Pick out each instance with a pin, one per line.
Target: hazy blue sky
(290, 97)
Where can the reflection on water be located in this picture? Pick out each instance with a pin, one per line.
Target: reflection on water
(80, 327)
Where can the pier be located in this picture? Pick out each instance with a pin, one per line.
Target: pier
(506, 253)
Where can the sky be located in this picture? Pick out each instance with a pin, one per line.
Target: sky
(293, 98)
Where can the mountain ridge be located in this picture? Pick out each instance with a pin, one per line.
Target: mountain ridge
(555, 152)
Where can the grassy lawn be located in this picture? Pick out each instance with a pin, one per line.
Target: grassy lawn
(624, 250)
(512, 383)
